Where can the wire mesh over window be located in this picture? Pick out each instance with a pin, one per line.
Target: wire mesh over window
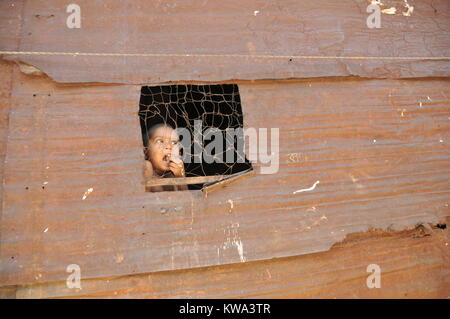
(184, 106)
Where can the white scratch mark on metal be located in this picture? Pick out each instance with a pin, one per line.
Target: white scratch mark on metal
(307, 189)
(240, 248)
(234, 240)
(90, 190)
(231, 205)
(391, 10)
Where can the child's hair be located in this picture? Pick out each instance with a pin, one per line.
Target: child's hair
(153, 128)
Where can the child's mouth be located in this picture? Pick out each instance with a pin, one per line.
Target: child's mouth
(166, 159)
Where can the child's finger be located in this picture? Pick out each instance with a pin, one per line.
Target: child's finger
(175, 159)
(176, 165)
(177, 169)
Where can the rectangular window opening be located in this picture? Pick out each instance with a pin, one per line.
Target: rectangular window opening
(192, 137)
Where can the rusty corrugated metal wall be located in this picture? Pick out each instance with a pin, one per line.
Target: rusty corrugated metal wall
(373, 131)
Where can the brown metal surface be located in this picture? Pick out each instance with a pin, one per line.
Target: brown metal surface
(411, 267)
(378, 148)
(251, 28)
(5, 95)
(73, 187)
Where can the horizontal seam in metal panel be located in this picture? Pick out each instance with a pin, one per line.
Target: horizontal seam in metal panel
(224, 56)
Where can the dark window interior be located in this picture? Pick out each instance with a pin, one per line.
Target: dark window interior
(216, 106)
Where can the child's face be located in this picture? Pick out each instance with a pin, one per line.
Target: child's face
(162, 146)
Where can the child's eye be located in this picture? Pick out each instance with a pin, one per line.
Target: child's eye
(174, 142)
(158, 141)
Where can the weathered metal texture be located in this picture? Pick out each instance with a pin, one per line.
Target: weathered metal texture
(10, 15)
(5, 93)
(378, 148)
(249, 28)
(412, 266)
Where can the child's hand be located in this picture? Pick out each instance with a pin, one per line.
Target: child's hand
(176, 165)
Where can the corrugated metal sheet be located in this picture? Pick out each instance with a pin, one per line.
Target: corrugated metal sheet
(263, 28)
(377, 154)
(377, 146)
(412, 267)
